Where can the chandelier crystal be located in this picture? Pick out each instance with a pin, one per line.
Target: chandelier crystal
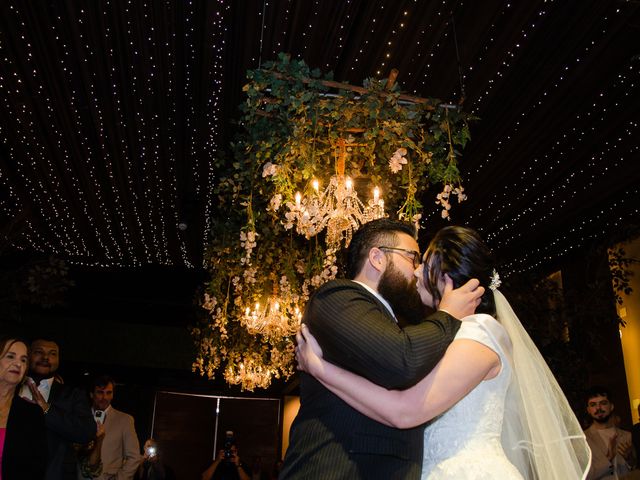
(336, 209)
(250, 374)
(279, 318)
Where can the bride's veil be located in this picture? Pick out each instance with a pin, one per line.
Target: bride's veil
(540, 435)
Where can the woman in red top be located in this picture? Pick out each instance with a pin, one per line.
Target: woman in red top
(23, 449)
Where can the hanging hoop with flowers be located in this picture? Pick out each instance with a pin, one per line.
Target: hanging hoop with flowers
(315, 159)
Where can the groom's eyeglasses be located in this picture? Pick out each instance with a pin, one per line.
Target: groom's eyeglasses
(415, 256)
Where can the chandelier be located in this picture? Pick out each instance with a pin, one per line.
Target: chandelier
(250, 374)
(336, 209)
(280, 317)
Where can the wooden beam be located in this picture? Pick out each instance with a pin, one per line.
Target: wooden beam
(353, 88)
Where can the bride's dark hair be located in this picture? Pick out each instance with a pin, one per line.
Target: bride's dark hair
(460, 253)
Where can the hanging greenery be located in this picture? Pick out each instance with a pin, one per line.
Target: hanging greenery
(292, 121)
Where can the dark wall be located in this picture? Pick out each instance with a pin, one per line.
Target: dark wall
(591, 304)
(190, 429)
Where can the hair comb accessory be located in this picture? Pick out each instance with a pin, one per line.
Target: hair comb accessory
(495, 280)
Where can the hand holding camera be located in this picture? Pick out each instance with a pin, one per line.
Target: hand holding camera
(150, 451)
(230, 449)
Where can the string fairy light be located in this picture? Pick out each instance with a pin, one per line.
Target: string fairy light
(218, 33)
(100, 169)
(103, 189)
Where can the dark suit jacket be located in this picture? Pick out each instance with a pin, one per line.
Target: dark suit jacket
(25, 449)
(331, 440)
(69, 420)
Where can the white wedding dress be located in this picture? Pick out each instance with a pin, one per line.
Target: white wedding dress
(464, 442)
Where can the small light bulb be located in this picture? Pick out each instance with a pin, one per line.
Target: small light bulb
(349, 184)
(298, 198)
(316, 185)
(376, 194)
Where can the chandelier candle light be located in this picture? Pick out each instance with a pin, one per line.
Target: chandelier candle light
(281, 317)
(337, 208)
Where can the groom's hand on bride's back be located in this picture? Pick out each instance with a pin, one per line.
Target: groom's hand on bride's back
(463, 301)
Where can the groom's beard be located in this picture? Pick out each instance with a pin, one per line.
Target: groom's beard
(402, 295)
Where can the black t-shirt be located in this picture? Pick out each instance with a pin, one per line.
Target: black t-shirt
(228, 471)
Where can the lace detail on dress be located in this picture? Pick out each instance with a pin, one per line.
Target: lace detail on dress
(464, 442)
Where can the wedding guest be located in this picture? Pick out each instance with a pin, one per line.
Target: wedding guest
(227, 465)
(89, 455)
(152, 466)
(120, 450)
(635, 436)
(23, 448)
(68, 419)
(612, 448)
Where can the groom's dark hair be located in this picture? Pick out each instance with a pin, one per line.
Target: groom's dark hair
(376, 233)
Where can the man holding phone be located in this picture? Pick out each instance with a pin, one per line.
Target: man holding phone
(120, 449)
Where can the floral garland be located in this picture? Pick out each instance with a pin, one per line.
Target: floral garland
(291, 123)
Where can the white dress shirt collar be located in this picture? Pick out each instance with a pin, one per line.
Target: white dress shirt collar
(379, 297)
(44, 387)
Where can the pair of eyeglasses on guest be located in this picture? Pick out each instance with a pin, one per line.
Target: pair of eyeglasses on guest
(415, 256)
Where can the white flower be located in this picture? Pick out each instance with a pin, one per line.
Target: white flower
(209, 302)
(397, 160)
(269, 169)
(275, 203)
(416, 220)
(459, 191)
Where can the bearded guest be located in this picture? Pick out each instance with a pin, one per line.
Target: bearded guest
(68, 418)
(611, 447)
(23, 450)
(356, 323)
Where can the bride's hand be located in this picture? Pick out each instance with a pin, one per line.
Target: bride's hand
(308, 352)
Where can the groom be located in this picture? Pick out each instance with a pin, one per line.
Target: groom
(355, 322)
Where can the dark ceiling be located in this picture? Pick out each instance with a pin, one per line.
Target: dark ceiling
(111, 111)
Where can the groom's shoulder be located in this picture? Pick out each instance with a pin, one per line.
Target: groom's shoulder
(339, 286)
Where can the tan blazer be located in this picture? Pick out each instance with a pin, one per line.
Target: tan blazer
(120, 447)
(600, 466)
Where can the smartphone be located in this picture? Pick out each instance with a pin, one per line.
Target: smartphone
(99, 416)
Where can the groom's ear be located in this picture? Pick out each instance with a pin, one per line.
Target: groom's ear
(377, 259)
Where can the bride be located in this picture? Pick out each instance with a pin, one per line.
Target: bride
(496, 410)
